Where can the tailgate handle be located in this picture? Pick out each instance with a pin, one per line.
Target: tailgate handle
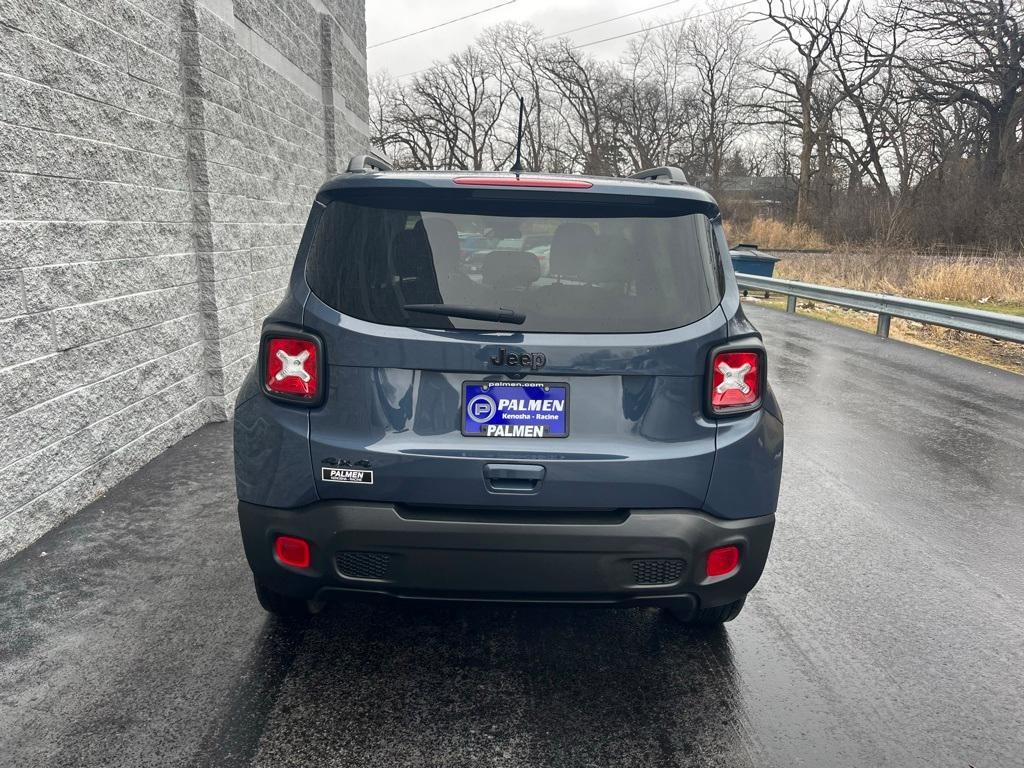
(513, 478)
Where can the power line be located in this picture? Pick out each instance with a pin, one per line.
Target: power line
(606, 21)
(666, 24)
(616, 37)
(442, 24)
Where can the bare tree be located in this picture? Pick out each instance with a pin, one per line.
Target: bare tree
(718, 48)
(466, 100)
(808, 29)
(515, 52)
(862, 65)
(653, 105)
(972, 52)
(582, 83)
(402, 127)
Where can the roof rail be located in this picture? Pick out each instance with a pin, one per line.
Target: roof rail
(666, 174)
(366, 163)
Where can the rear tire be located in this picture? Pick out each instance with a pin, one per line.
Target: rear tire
(711, 617)
(282, 606)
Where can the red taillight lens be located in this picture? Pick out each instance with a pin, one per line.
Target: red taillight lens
(723, 560)
(292, 367)
(735, 381)
(292, 551)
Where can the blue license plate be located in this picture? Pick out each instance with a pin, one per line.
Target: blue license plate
(515, 409)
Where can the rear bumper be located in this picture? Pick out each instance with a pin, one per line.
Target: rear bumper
(378, 549)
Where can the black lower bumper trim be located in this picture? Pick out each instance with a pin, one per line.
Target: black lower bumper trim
(372, 550)
(684, 603)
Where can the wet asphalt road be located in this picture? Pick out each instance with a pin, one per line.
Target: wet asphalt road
(888, 628)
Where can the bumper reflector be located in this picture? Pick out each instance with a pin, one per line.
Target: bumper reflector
(723, 560)
(292, 551)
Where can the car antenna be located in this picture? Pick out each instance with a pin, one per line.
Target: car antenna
(517, 166)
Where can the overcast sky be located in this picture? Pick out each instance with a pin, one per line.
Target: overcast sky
(386, 19)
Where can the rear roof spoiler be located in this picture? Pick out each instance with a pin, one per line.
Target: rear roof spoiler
(367, 163)
(666, 174)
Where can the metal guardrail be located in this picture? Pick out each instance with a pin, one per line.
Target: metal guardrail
(994, 324)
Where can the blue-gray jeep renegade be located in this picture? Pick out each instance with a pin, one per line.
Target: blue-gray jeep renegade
(509, 387)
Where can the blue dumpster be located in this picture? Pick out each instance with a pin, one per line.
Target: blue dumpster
(747, 260)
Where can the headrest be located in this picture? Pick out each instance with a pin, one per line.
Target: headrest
(444, 242)
(409, 240)
(510, 269)
(572, 244)
(611, 262)
(411, 254)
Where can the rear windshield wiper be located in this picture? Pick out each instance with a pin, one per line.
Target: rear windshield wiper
(500, 315)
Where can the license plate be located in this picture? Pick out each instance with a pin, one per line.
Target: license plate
(515, 409)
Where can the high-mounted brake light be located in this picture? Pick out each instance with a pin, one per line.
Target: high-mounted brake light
(291, 367)
(736, 381)
(522, 181)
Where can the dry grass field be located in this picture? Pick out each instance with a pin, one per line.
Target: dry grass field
(987, 280)
(774, 234)
(953, 278)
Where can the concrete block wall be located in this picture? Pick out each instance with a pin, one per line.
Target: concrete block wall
(157, 163)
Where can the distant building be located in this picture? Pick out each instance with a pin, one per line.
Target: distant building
(769, 192)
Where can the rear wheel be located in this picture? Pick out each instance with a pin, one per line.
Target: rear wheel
(710, 617)
(280, 605)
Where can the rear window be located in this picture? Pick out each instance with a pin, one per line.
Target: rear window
(578, 267)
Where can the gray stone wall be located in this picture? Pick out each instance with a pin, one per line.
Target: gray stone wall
(157, 162)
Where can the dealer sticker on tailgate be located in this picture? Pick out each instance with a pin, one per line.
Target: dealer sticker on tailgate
(343, 475)
(515, 409)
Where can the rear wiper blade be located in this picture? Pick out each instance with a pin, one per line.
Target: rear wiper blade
(500, 315)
